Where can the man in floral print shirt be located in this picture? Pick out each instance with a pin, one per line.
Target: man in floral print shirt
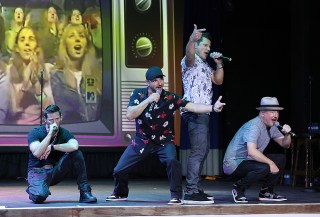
(198, 78)
(153, 110)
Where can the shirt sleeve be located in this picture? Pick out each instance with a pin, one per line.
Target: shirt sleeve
(136, 97)
(33, 136)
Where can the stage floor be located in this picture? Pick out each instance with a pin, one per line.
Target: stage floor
(149, 197)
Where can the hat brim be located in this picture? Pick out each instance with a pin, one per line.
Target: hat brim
(158, 76)
(270, 108)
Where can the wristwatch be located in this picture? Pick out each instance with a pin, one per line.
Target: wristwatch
(52, 147)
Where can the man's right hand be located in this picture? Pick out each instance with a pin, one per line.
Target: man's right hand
(53, 128)
(154, 97)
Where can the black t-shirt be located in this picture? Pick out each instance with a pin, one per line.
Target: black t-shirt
(38, 134)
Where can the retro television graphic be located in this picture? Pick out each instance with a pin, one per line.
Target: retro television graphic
(128, 36)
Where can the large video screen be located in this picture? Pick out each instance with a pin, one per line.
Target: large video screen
(59, 52)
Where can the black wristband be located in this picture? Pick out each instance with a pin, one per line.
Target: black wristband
(212, 108)
(52, 147)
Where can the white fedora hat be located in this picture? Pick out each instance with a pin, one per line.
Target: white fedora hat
(269, 103)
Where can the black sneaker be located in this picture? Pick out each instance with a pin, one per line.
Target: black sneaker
(114, 197)
(196, 198)
(238, 194)
(267, 196)
(175, 201)
(210, 197)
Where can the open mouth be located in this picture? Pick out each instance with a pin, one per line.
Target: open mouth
(77, 47)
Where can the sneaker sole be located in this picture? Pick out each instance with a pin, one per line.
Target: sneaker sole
(175, 204)
(194, 202)
(268, 199)
(122, 199)
(237, 201)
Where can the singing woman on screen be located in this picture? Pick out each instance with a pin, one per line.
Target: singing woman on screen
(77, 77)
(22, 82)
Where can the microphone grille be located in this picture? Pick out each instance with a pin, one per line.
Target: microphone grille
(158, 91)
(277, 124)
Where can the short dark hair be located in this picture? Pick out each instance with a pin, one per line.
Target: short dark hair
(205, 35)
(51, 109)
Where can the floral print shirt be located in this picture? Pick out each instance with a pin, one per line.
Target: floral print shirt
(156, 123)
(197, 84)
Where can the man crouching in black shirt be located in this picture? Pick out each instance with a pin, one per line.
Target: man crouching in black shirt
(54, 152)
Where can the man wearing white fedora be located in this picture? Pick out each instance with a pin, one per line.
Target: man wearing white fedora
(244, 159)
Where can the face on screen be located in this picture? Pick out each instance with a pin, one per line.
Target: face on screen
(52, 15)
(18, 15)
(76, 42)
(26, 43)
(76, 17)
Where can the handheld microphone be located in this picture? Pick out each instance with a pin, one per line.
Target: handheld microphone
(54, 128)
(154, 102)
(221, 57)
(277, 124)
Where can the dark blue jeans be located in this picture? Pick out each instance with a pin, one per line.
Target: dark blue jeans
(199, 135)
(167, 156)
(250, 172)
(40, 179)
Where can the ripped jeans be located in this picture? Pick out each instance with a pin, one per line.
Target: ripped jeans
(39, 179)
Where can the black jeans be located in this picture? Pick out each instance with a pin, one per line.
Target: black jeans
(130, 158)
(250, 172)
(40, 179)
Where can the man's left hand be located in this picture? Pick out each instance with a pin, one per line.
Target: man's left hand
(218, 106)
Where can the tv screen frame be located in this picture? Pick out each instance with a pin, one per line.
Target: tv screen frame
(92, 133)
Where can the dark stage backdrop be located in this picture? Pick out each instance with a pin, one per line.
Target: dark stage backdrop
(274, 49)
(257, 36)
(273, 46)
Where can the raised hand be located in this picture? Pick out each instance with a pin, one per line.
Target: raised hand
(196, 34)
